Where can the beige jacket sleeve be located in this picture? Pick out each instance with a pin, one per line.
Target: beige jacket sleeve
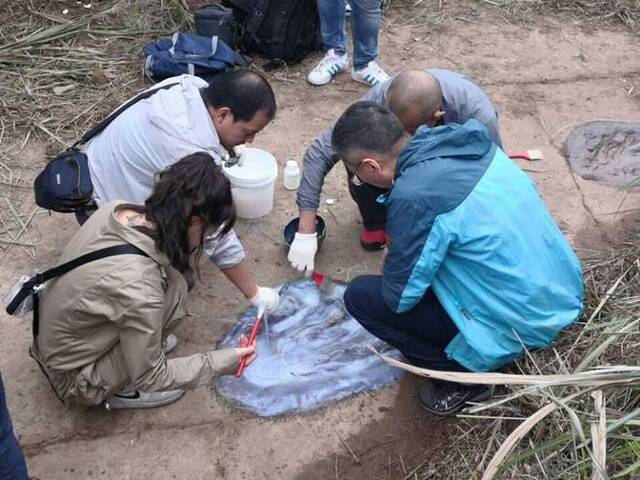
(141, 343)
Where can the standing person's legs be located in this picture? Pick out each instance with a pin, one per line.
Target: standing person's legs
(334, 38)
(373, 214)
(365, 27)
(332, 25)
(12, 464)
(421, 334)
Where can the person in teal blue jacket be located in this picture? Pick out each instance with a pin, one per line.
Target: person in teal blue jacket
(476, 270)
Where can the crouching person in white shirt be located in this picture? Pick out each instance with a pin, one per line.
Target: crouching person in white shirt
(190, 116)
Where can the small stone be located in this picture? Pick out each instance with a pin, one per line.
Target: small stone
(63, 89)
(330, 201)
(100, 76)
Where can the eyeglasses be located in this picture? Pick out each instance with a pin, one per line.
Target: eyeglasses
(355, 179)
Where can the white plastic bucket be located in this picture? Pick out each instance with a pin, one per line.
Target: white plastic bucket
(252, 184)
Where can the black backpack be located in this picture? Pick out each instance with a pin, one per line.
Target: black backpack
(284, 31)
(217, 21)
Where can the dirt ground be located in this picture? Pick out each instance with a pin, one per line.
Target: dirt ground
(544, 74)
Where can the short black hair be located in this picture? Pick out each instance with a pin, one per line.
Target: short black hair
(244, 92)
(365, 127)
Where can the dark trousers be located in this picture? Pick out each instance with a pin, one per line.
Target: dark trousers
(421, 334)
(12, 465)
(373, 213)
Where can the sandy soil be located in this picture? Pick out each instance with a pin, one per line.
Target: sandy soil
(544, 76)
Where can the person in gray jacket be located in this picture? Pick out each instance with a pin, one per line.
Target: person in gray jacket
(432, 97)
(104, 325)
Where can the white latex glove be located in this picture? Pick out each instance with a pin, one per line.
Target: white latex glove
(266, 297)
(303, 251)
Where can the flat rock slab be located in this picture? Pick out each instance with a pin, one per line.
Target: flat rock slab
(605, 152)
(314, 353)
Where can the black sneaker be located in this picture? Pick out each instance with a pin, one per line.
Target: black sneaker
(139, 399)
(448, 398)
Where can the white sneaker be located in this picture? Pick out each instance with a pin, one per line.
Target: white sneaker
(371, 75)
(170, 343)
(330, 65)
(139, 399)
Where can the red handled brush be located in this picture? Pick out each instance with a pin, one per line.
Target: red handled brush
(323, 282)
(531, 155)
(252, 341)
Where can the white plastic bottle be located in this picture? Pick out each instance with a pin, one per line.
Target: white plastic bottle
(292, 175)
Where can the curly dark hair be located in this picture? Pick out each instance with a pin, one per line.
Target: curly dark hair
(194, 185)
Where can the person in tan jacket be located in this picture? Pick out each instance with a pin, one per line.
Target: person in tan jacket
(103, 325)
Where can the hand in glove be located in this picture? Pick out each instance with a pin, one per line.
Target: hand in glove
(267, 297)
(302, 252)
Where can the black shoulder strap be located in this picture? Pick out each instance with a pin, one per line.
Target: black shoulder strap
(103, 124)
(126, 248)
(76, 262)
(29, 287)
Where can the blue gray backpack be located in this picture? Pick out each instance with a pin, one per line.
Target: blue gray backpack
(189, 53)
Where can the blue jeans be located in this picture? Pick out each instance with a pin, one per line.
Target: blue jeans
(12, 466)
(365, 25)
(421, 334)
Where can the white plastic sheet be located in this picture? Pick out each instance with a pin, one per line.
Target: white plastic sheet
(315, 353)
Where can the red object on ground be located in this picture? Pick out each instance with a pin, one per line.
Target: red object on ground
(531, 155)
(324, 283)
(372, 239)
(318, 278)
(252, 341)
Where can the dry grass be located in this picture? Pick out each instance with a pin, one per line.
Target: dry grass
(625, 12)
(432, 14)
(584, 422)
(63, 67)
